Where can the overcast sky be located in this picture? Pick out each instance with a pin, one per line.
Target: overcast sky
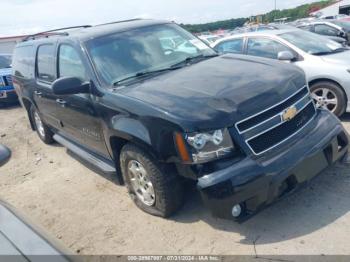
(30, 16)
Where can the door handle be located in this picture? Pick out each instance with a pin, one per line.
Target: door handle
(61, 101)
(38, 93)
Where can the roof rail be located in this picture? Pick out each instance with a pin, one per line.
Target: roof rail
(122, 21)
(53, 32)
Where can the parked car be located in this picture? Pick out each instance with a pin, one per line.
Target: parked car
(345, 27)
(177, 44)
(7, 91)
(209, 39)
(331, 29)
(325, 62)
(252, 28)
(337, 17)
(245, 129)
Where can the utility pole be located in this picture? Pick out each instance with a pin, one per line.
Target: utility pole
(275, 5)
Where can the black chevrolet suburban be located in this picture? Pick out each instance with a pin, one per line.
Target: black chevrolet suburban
(152, 105)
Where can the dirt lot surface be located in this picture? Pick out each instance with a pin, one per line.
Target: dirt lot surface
(90, 214)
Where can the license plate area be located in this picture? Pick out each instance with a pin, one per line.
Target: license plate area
(311, 167)
(3, 94)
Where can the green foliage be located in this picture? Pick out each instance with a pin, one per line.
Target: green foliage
(226, 24)
(294, 13)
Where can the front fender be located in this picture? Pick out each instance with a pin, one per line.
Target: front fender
(131, 128)
(154, 135)
(128, 130)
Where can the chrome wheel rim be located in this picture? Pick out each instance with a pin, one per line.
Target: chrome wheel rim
(325, 98)
(141, 183)
(39, 124)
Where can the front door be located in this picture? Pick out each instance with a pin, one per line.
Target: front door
(77, 113)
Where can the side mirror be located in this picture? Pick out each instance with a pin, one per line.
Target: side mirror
(5, 155)
(70, 86)
(285, 56)
(341, 34)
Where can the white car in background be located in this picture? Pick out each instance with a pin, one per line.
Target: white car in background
(177, 44)
(209, 39)
(325, 62)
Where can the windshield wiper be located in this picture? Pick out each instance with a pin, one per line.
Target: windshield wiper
(144, 73)
(338, 50)
(190, 59)
(172, 67)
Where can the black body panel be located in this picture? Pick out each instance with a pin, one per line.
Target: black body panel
(210, 94)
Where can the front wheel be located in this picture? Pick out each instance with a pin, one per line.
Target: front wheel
(329, 96)
(152, 190)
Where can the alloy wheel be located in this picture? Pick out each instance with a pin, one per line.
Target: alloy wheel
(141, 183)
(325, 98)
(39, 124)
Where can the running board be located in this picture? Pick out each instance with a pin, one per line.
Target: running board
(95, 161)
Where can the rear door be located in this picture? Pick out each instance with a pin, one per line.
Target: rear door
(77, 113)
(45, 67)
(265, 47)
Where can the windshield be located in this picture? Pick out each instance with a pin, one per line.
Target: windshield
(5, 61)
(343, 24)
(311, 43)
(122, 55)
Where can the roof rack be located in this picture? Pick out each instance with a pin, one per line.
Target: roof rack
(53, 32)
(122, 21)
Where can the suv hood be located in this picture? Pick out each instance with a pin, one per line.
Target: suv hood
(341, 58)
(220, 91)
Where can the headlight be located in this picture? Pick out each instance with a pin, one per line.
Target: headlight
(2, 83)
(206, 146)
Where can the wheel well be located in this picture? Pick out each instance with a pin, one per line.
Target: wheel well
(117, 144)
(27, 104)
(331, 81)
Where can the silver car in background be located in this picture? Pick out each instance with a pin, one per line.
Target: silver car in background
(325, 62)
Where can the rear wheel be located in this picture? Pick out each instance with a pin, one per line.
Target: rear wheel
(152, 190)
(43, 131)
(329, 96)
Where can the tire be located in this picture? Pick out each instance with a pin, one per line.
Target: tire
(324, 91)
(168, 189)
(44, 132)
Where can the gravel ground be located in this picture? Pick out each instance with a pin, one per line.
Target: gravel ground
(90, 214)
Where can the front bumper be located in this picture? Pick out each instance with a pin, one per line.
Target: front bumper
(11, 96)
(255, 183)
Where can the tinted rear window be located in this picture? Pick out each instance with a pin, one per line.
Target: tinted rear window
(23, 61)
(46, 63)
(5, 61)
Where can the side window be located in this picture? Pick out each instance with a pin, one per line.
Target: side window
(264, 47)
(326, 30)
(23, 61)
(69, 63)
(45, 63)
(306, 27)
(231, 46)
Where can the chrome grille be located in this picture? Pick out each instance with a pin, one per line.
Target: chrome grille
(8, 79)
(267, 129)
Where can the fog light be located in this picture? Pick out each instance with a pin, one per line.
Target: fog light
(236, 210)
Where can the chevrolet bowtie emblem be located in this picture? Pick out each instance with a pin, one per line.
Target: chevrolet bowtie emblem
(289, 113)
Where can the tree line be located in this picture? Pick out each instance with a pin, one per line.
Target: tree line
(293, 14)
